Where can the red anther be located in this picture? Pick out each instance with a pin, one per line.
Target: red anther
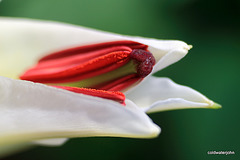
(112, 95)
(78, 58)
(92, 47)
(68, 73)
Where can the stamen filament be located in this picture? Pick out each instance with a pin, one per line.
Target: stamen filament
(127, 69)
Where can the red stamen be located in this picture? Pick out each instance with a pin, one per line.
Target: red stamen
(70, 60)
(79, 63)
(88, 69)
(112, 95)
(119, 84)
(93, 47)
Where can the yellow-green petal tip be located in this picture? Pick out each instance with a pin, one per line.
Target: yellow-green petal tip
(215, 106)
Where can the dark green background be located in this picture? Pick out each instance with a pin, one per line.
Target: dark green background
(211, 67)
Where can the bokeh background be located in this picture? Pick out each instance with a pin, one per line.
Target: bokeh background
(211, 67)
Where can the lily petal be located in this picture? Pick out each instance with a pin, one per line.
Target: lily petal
(51, 142)
(13, 148)
(163, 94)
(166, 52)
(30, 111)
(28, 40)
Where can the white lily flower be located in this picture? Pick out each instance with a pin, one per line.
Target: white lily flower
(36, 113)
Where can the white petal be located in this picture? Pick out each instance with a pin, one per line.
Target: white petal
(166, 52)
(30, 111)
(27, 40)
(161, 94)
(51, 142)
(13, 148)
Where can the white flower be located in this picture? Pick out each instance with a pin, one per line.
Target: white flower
(32, 111)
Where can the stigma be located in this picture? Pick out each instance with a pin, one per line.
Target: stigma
(145, 61)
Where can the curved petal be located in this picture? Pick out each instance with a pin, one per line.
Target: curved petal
(51, 142)
(17, 147)
(166, 52)
(27, 40)
(13, 148)
(30, 111)
(161, 94)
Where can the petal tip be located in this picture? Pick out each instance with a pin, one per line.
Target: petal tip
(188, 47)
(154, 131)
(185, 48)
(215, 106)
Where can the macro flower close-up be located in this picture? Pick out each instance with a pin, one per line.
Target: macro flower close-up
(118, 80)
(93, 84)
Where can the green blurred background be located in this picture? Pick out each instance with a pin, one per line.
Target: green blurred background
(211, 67)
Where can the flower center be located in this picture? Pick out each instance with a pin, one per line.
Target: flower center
(111, 66)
